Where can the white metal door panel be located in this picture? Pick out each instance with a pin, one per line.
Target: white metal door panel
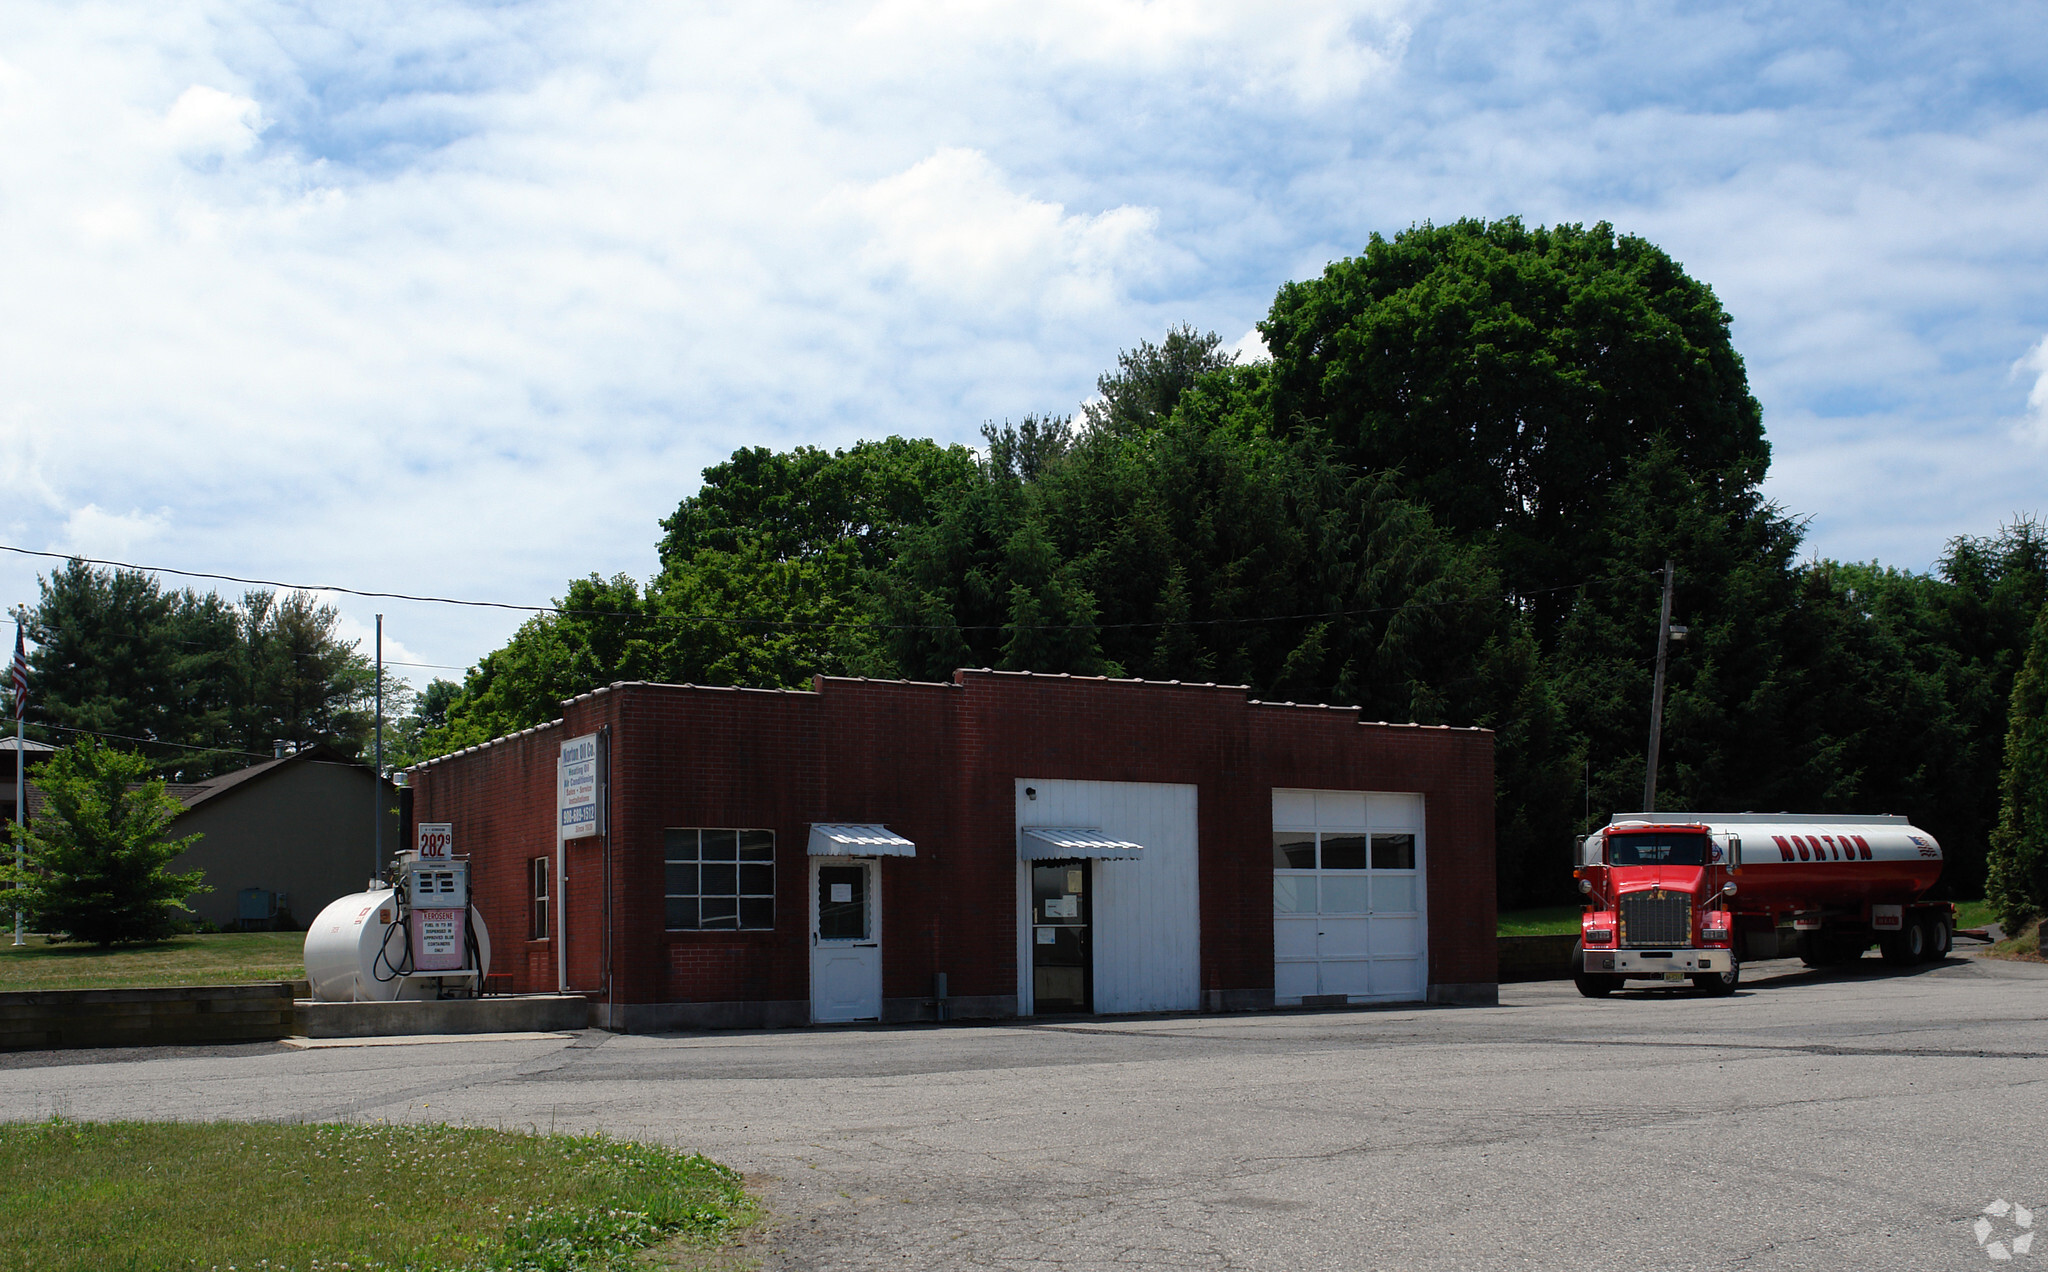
(1401, 937)
(1294, 937)
(1146, 914)
(845, 985)
(1294, 980)
(1345, 937)
(1351, 977)
(1397, 977)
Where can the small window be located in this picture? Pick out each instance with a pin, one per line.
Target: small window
(719, 879)
(537, 892)
(1393, 852)
(1294, 850)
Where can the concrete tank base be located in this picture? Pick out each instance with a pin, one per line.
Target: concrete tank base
(511, 1013)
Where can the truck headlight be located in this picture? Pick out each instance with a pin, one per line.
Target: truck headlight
(1599, 936)
(1713, 934)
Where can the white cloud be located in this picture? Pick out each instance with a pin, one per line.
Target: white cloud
(953, 226)
(208, 123)
(91, 531)
(2035, 362)
(1251, 347)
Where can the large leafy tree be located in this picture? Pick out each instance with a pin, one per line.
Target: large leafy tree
(97, 858)
(1514, 377)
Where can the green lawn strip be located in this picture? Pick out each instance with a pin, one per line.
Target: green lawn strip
(1555, 920)
(315, 1198)
(1974, 914)
(220, 958)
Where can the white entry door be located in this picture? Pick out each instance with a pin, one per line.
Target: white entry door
(846, 940)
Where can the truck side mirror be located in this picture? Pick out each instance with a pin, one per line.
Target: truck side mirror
(1591, 851)
(1735, 851)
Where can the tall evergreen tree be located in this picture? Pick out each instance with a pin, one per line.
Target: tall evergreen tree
(2018, 882)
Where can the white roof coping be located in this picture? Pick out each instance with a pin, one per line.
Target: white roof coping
(846, 839)
(1051, 843)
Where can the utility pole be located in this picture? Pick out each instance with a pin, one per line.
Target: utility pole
(1657, 694)
(377, 778)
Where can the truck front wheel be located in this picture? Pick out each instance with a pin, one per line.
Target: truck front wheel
(1720, 984)
(1591, 984)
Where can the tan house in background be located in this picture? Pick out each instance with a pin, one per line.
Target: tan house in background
(283, 838)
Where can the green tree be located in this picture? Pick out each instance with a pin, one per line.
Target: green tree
(104, 658)
(1150, 380)
(216, 681)
(96, 859)
(1513, 377)
(2017, 886)
(604, 632)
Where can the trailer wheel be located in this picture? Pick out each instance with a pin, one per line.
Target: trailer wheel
(1720, 984)
(1905, 947)
(1940, 940)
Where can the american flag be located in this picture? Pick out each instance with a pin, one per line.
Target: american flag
(20, 674)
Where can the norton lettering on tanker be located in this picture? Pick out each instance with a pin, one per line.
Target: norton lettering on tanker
(1673, 897)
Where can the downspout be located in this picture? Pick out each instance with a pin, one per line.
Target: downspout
(604, 753)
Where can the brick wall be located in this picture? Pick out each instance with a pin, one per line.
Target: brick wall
(936, 763)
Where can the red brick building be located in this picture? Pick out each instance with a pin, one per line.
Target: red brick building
(1007, 844)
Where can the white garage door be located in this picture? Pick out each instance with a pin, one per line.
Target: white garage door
(1348, 897)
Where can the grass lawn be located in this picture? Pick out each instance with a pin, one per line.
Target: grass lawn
(314, 1198)
(1974, 914)
(222, 958)
(1556, 920)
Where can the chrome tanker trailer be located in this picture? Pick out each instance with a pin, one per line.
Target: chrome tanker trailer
(1674, 897)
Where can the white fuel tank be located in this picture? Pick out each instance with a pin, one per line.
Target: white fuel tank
(356, 951)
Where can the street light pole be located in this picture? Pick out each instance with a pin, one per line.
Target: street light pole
(1657, 694)
(377, 775)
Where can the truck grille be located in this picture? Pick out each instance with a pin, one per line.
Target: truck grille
(1656, 918)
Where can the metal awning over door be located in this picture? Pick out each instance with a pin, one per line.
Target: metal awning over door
(845, 839)
(1055, 843)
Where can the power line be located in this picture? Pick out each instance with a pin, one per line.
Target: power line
(770, 624)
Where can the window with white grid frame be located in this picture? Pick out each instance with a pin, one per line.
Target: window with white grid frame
(719, 880)
(1366, 867)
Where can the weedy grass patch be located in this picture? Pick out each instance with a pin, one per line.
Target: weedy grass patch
(261, 1197)
(2026, 947)
(218, 958)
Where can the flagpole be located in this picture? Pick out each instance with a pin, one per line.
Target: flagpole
(20, 762)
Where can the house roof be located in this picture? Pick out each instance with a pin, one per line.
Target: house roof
(193, 794)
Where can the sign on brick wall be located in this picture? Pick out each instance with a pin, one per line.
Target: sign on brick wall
(578, 794)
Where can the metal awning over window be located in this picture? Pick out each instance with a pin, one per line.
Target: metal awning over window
(1051, 843)
(842, 840)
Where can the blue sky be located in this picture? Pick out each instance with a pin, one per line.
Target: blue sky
(459, 299)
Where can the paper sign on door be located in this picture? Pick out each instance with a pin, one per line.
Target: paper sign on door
(842, 892)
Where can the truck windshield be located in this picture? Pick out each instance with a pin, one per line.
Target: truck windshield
(1657, 850)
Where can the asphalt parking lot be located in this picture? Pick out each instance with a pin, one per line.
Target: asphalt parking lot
(1860, 1119)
